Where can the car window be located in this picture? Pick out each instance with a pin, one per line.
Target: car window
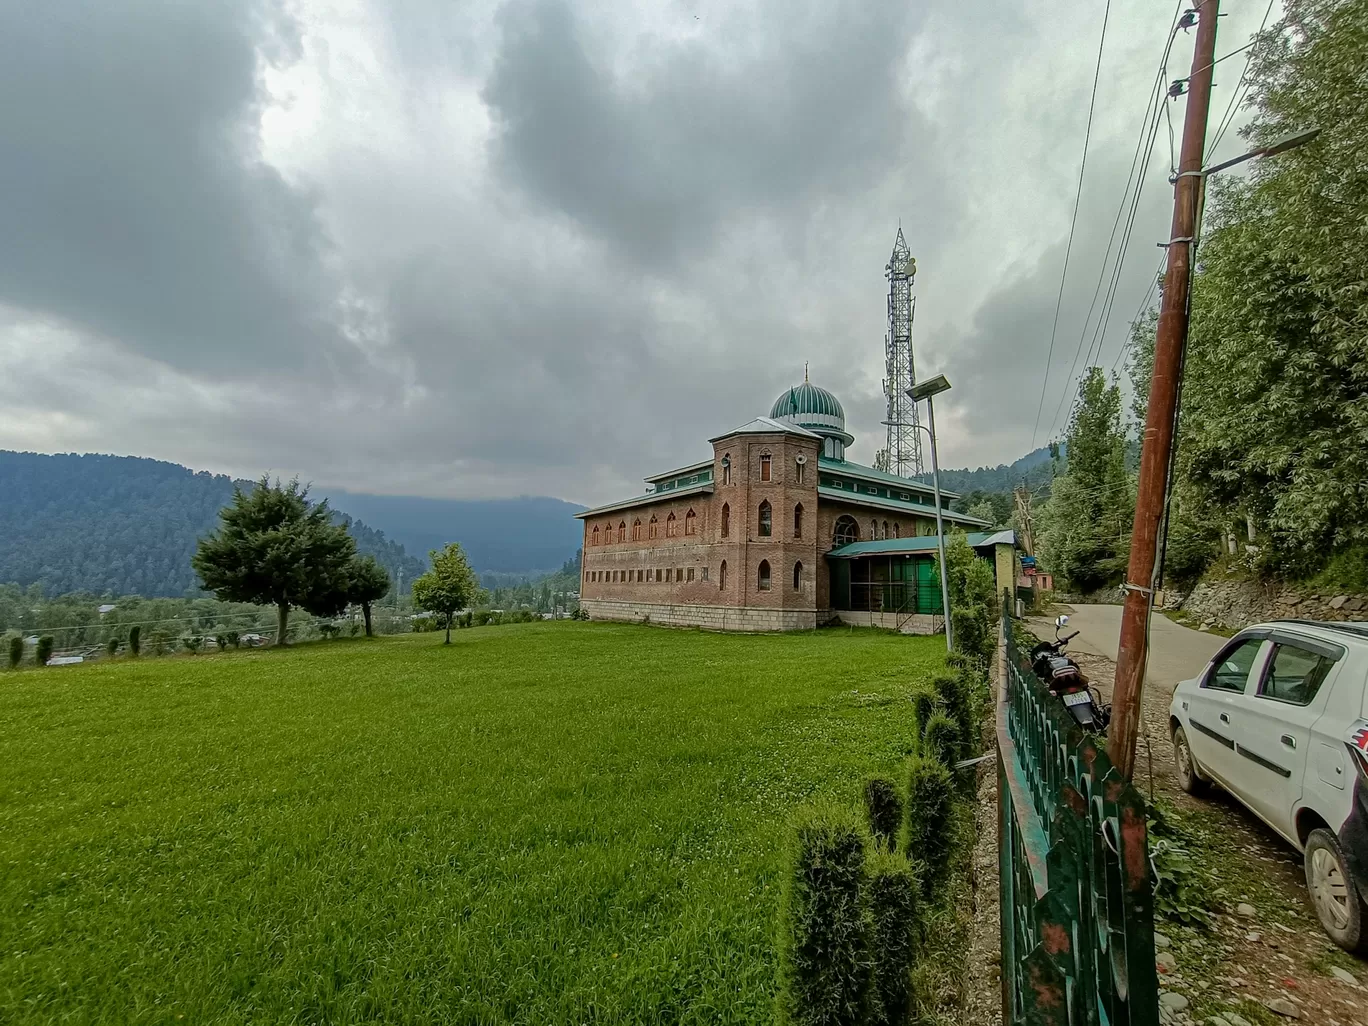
(1231, 671)
(1294, 675)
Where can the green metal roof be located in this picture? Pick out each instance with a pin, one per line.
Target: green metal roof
(863, 473)
(898, 506)
(920, 544)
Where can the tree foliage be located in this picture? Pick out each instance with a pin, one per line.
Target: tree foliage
(275, 547)
(448, 587)
(1275, 405)
(1086, 524)
(367, 582)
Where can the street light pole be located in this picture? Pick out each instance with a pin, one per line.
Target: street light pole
(928, 390)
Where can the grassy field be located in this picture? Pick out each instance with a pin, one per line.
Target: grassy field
(549, 823)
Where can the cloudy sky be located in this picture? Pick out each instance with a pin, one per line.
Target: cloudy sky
(547, 247)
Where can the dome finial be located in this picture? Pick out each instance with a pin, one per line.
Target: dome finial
(805, 372)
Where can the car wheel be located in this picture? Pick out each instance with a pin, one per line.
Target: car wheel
(1190, 778)
(1333, 893)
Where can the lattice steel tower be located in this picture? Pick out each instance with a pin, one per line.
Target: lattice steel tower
(904, 437)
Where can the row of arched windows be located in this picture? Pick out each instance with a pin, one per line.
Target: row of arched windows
(672, 526)
(764, 580)
(847, 530)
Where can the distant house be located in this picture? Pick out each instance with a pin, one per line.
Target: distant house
(106, 608)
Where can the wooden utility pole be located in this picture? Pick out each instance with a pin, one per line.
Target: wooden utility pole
(1022, 496)
(1157, 448)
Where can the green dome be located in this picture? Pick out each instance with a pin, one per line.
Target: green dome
(813, 408)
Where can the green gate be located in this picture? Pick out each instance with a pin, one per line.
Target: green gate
(1076, 905)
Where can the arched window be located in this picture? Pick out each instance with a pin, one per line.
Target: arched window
(802, 460)
(636, 529)
(766, 519)
(762, 575)
(726, 469)
(885, 533)
(594, 538)
(798, 520)
(847, 531)
(653, 529)
(726, 519)
(690, 523)
(622, 531)
(670, 526)
(873, 530)
(897, 529)
(797, 576)
(765, 467)
(722, 577)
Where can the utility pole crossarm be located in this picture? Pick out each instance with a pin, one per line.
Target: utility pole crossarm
(1157, 447)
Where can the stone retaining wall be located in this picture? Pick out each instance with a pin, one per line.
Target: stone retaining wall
(1237, 604)
(918, 623)
(718, 618)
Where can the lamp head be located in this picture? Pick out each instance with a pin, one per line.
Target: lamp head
(931, 386)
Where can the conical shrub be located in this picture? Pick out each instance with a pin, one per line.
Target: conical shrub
(825, 967)
(884, 809)
(893, 900)
(927, 816)
(942, 740)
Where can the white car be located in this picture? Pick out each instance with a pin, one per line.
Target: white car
(1279, 718)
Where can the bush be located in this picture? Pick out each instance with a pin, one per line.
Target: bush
(926, 702)
(159, 642)
(16, 651)
(942, 740)
(884, 809)
(44, 649)
(893, 899)
(192, 643)
(233, 638)
(329, 630)
(825, 967)
(112, 647)
(135, 640)
(927, 816)
(957, 698)
(221, 642)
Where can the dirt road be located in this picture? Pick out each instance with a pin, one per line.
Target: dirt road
(1176, 652)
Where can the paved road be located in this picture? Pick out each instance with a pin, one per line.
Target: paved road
(1176, 652)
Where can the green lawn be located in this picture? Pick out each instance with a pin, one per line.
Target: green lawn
(548, 823)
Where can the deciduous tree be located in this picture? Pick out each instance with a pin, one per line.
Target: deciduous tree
(367, 582)
(448, 587)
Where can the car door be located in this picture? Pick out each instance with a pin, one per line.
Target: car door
(1272, 728)
(1214, 706)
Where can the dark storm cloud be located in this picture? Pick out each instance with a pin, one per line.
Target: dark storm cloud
(656, 157)
(134, 205)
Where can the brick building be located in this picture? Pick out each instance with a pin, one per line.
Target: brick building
(773, 532)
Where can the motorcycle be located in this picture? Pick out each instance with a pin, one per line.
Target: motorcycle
(1062, 676)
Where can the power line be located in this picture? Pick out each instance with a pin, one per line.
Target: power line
(1241, 86)
(1073, 221)
(1149, 125)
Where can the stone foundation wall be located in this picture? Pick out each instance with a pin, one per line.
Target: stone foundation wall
(717, 618)
(918, 623)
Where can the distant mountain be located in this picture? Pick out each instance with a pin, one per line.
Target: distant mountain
(124, 525)
(528, 536)
(1033, 470)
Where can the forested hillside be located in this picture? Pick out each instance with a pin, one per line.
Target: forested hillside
(120, 525)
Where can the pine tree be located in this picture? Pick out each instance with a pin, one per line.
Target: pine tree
(275, 547)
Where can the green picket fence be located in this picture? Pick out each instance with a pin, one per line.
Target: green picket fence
(1076, 903)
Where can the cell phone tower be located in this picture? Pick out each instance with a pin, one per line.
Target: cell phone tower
(904, 436)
